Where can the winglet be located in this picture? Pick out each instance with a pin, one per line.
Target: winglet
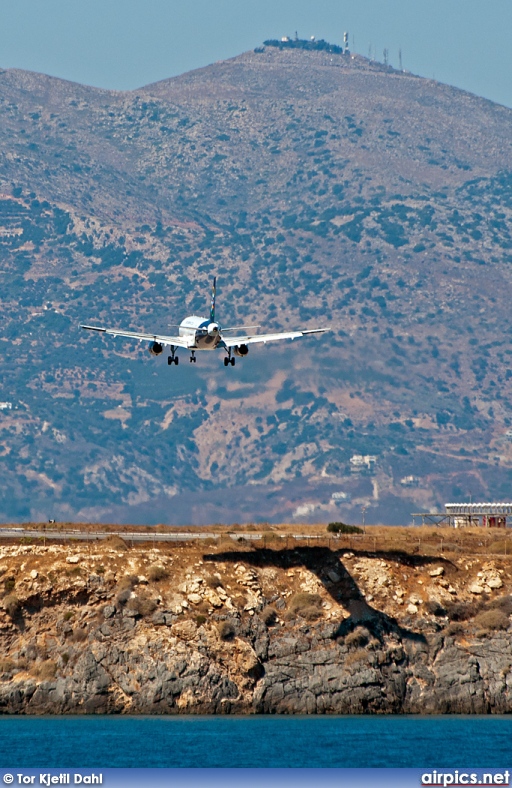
(212, 306)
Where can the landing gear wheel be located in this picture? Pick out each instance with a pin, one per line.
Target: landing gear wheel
(232, 362)
(170, 360)
(176, 360)
(226, 361)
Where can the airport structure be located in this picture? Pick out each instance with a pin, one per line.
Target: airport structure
(463, 515)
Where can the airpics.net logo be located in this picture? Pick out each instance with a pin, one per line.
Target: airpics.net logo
(465, 778)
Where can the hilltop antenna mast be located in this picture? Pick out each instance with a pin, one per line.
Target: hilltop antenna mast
(386, 56)
(345, 42)
(400, 59)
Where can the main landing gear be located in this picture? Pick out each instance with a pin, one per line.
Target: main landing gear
(173, 359)
(228, 360)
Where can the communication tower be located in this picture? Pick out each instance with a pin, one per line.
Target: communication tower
(345, 42)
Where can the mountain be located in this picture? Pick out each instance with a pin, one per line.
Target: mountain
(321, 188)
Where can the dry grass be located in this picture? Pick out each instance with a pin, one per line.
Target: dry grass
(45, 670)
(79, 635)
(356, 657)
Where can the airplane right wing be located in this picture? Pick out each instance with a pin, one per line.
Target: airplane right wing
(185, 342)
(250, 340)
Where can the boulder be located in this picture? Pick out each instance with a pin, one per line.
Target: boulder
(476, 588)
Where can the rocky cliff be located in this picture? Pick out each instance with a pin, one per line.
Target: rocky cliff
(226, 628)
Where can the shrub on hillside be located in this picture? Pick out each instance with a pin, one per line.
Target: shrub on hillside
(157, 572)
(6, 665)
(9, 584)
(503, 603)
(342, 528)
(78, 635)
(358, 638)
(116, 542)
(143, 605)
(226, 630)
(455, 628)
(306, 605)
(214, 581)
(434, 607)
(268, 616)
(123, 596)
(11, 605)
(492, 620)
(127, 583)
(462, 611)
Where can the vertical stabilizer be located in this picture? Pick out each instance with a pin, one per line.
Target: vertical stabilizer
(212, 305)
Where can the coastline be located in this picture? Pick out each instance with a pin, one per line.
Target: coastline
(161, 631)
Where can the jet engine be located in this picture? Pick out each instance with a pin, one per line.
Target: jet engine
(155, 348)
(241, 350)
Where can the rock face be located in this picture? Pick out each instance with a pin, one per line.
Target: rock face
(89, 643)
(307, 672)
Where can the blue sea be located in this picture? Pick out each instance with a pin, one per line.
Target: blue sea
(252, 742)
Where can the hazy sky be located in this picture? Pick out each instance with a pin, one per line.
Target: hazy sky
(124, 44)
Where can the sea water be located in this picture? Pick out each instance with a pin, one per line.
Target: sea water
(259, 741)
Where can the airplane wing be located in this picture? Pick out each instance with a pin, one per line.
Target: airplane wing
(250, 340)
(185, 342)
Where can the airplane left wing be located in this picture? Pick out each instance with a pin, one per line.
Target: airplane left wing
(185, 342)
(250, 340)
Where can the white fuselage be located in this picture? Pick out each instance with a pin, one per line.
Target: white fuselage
(206, 334)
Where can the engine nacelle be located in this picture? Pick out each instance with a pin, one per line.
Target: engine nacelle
(241, 350)
(156, 348)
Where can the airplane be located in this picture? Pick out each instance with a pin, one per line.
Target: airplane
(202, 333)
